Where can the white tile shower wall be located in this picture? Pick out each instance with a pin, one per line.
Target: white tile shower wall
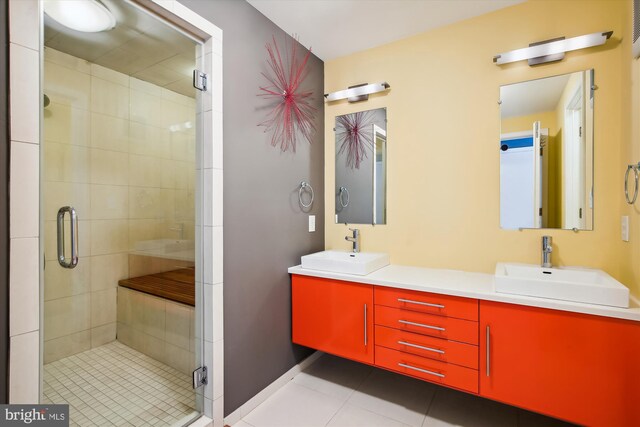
(121, 151)
(157, 327)
(24, 228)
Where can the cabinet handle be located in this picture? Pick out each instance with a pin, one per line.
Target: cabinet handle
(488, 350)
(428, 304)
(406, 322)
(436, 374)
(365, 325)
(408, 344)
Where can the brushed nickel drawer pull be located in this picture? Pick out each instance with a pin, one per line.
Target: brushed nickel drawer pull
(428, 304)
(488, 350)
(406, 322)
(437, 374)
(365, 325)
(408, 344)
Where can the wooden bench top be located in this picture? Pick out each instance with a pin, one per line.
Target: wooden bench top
(175, 285)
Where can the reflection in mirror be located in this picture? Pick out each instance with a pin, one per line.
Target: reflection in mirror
(361, 157)
(546, 153)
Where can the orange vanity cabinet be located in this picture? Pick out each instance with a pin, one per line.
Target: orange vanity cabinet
(333, 316)
(577, 367)
(581, 368)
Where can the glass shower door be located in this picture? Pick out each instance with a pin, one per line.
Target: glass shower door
(122, 315)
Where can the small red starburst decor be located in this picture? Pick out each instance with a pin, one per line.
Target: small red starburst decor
(292, 115)
(354, 135)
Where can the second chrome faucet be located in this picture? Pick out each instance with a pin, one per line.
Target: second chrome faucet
(355, 239)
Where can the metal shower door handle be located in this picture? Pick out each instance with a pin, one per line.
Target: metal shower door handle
(62, 260)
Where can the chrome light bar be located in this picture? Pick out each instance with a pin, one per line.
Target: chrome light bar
(357, 93)
(552, 48)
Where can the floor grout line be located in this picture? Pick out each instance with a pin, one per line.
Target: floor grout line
(339, 409)
(426, 414)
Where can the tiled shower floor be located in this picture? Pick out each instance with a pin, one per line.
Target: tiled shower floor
(116, 385)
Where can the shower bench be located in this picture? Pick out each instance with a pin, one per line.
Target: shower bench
(156, 316)
(175, 285)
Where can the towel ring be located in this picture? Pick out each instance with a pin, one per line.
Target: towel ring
(343, 190)
(304, 186)
(636, 173)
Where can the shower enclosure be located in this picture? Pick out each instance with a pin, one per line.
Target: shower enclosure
(122, 310)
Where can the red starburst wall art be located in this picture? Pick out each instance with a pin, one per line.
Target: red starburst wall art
(354, 136)
(292, 115)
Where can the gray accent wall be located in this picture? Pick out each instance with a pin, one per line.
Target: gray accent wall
(4, 204)
(265, 230)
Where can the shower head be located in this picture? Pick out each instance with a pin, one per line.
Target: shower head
(47, 101)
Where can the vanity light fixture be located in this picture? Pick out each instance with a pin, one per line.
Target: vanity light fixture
(358, 92)
(552, 50)
(87, 16)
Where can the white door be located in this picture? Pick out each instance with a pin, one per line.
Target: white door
(517, 195)
(537, 175)
(574, 163)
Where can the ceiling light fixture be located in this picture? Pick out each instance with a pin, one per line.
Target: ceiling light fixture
(552, 50)
(357, 93)
(88, 16)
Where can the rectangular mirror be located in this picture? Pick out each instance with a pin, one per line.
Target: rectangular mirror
(361, 167)
(546, 153)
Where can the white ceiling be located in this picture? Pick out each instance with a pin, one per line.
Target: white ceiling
(535, 96)
(140, 46)
(334, 28)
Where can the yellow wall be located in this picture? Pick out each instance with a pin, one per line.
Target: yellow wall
(547, 120)
(630, 125)
(443, 124)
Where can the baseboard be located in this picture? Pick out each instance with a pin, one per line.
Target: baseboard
(634, 300)
(269, 390)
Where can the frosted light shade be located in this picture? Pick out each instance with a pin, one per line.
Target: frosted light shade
(552, 48)
(355, 92)
(89, 16)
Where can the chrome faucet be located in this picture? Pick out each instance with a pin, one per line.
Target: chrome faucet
(546, 252)
(355, 239)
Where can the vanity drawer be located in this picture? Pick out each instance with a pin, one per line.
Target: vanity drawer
(427, 324)
(430, 347)
(424, 302)
(427, 369)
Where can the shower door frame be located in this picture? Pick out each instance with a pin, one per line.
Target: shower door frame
(26, 302)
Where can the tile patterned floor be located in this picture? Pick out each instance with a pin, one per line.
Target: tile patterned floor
(335, 392)
(114, 385)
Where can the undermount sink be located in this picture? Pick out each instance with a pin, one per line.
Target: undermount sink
(568, 283)
(361, 263)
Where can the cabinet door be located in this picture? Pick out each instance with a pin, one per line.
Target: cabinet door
(581, 368)
(333, 316)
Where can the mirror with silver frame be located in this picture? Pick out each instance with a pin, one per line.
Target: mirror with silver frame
(361, 167)
(546, 153)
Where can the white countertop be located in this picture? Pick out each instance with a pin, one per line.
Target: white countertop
(465, 284)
